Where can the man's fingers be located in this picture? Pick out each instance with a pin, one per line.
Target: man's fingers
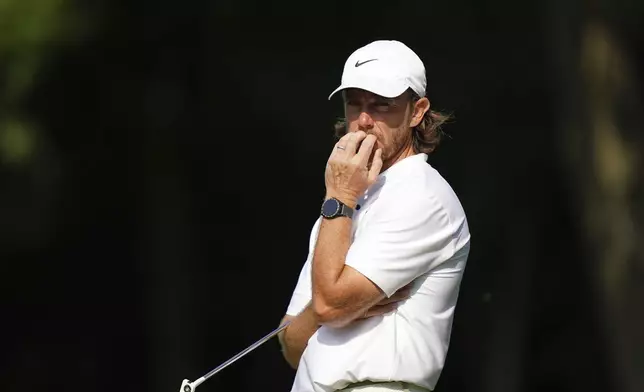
(366, 147)
(347, 145)
(398, 296)
(401, 294)
(387, 305)
(353, 142)
(340, 146)
(406, 290)
(388, 301)
(394, 298)
(376, 165)
(380, 309)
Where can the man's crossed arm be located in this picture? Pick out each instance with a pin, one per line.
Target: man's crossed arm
(340, 293)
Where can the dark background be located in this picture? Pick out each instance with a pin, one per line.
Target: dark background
(162, 164)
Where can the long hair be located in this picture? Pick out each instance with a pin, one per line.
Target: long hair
(426, 136)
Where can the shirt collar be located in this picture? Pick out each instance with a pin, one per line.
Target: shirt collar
(404, 163)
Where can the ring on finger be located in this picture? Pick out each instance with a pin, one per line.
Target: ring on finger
(341, 147)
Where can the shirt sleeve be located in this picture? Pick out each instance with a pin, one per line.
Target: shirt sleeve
(401, 240)
(302, 294)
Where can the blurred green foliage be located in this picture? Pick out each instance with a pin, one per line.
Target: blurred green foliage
(17, 141)
(30, 30)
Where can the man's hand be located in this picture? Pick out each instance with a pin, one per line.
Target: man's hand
(347, 173)
(387, 305)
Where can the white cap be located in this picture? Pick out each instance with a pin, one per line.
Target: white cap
(385, 68)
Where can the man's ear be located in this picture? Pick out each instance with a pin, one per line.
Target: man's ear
(420, 108)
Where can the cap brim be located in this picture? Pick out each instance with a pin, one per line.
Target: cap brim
(384, 90)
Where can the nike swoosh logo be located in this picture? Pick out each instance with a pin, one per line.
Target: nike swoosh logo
(358, 63)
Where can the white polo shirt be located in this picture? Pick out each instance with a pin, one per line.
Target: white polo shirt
(410, 227)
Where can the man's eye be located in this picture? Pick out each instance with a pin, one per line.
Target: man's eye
(382, 106)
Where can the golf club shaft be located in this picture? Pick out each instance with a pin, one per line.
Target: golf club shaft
(245, 351)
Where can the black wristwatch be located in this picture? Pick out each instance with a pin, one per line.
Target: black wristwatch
(333, 208)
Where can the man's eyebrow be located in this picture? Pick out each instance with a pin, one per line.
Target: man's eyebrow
(390, 101)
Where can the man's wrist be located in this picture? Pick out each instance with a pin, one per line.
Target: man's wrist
(348, 200)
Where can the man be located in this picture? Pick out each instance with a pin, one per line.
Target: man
(373, 307)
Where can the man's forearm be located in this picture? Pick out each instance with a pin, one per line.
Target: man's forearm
(340, 293)
(295, 337)
(330, 300)
(328, 260)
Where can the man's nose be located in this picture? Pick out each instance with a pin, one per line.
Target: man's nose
(365, 121)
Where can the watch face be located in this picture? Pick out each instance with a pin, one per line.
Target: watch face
(330, 207)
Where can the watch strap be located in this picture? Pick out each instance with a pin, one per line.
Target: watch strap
(345, 210)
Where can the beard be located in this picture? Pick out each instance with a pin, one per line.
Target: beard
(392, 142)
